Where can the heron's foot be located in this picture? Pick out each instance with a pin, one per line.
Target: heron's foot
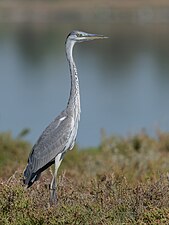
(53, 197)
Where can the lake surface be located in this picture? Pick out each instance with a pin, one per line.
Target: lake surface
(124, 80)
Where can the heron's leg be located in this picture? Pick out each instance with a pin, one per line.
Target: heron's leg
(53, 185)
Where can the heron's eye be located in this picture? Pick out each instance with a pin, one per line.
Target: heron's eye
(79, 35)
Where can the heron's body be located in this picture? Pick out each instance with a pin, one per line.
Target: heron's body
(60, 135)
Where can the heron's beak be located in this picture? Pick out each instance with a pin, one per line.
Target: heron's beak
(94, 37)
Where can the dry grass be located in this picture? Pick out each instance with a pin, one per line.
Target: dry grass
(123, 181)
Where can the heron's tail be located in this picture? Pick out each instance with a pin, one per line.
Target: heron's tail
(29, 176)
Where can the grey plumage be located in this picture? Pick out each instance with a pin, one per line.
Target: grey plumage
(60, 135)
(52, 142)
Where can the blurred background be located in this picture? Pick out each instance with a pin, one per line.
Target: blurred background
(124, 80)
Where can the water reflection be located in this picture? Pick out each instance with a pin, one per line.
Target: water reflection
(124, 80)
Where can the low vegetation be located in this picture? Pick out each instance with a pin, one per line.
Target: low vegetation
(123, 181)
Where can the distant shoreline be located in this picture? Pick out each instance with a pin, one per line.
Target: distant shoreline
(108, 10)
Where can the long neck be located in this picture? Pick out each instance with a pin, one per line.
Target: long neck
(74, 98)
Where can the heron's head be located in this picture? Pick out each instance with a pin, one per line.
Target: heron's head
(79, 36)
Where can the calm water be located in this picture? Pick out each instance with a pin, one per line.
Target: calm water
(124, 80)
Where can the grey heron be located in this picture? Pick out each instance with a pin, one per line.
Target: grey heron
(60, 135)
